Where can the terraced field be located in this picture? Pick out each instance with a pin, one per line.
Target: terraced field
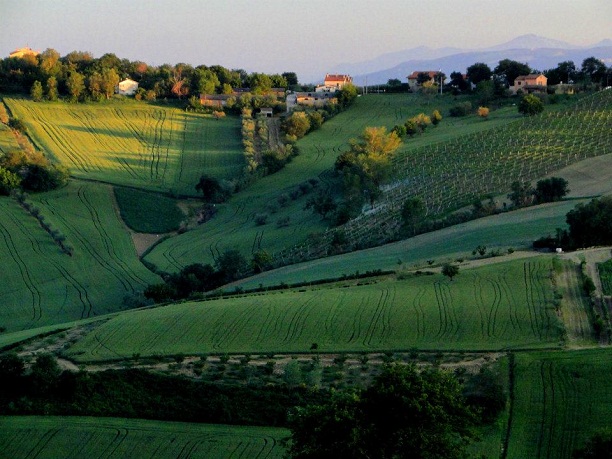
(146, 146)
(75, 437)
(561, 398)
(41, 285)
(488, 308)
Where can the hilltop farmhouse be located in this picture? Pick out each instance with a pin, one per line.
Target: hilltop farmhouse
(333, 83)
(529, 83)
(24, 52)
(413, 78)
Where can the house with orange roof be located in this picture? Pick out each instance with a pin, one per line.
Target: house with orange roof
(23, 52)
(334, 83)
(413, 78)
(529, 83)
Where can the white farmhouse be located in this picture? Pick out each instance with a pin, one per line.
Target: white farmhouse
(127, 87)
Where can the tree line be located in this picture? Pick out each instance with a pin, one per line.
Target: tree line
(78, 76)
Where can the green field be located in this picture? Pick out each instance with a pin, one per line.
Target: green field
(234, 225)
(7, 140)
(77, 437)
(41, 285)
(147, 146)
(147, 212)
(561, 399)
(488, 308)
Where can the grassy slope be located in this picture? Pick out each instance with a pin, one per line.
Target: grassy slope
(43, 286)
(136, 144)
(234, 225)
(486, 308)
(146, 212)
(7, 139)
(561, 399)
(76, 437)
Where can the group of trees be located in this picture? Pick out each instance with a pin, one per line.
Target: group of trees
(80, 76)
(547, 190)
(405, 413)
(32, 172)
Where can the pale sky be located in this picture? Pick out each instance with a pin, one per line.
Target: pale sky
(273, 36)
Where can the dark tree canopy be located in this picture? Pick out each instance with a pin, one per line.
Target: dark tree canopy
(551, 189)
(599, 446)
(508, 70)
(591, 224)
(404, 414)
(450, 271)
(479, 72)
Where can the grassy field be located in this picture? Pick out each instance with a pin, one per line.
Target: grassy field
(41, 285)
(147, 212)
(147, 146)
(7, 140)
(561, 398)
(76, 437)
(489, 308)
(234, 226)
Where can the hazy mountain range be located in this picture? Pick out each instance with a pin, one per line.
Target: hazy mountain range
(539, 53)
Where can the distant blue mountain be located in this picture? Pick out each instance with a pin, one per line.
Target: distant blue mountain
(539, 53)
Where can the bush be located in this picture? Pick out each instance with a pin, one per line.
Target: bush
(462, 109)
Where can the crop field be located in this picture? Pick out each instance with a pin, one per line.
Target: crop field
(516, 230)
(234, 225)
(147, 212)
(561, 399)
(487, 308)
(77, 437)
(146, 146)
(41, 284)
(605, 275)
(7, 140)
(451, 174)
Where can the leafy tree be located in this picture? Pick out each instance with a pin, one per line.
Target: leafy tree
(484, 391)
(76, 85)
(109, 82)
(44, 373)
(262, 261)
(230, 264)
(593, 70)
(564, 72)
(522, 194)
(39, 178)
(458, 82)
(508, 70)
(321, 203)
(205, 81)
(50, 64)
(8, 181)
(394, 83)
(52, 93)
(450, 271)
(347, 95)
(211, 189)
(591, 224)
(403, 414)
(479, 72)
(291, 78)
(260, 83)
(12, 370)
(413, 211)
(485, 91)
(297, 124)
(530, 105)
(37, 91)
(551, 189)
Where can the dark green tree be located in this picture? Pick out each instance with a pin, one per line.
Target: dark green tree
(8, 181)
(449, 270)
(530, 105)
(322, 203)
(478, 72)
(44, 373)
(522, 194)
(591, 224)
(508, 70)
(551, 189)
(76, 85)
(564, 72)
(211, 189)
(37, 91)
(413, 212)
(403, 414)
(593, 70)
(230, 264)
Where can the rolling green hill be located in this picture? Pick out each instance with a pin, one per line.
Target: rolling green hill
(147, 146)
(78, 437)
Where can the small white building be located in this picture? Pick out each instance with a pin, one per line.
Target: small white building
(127, 87)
